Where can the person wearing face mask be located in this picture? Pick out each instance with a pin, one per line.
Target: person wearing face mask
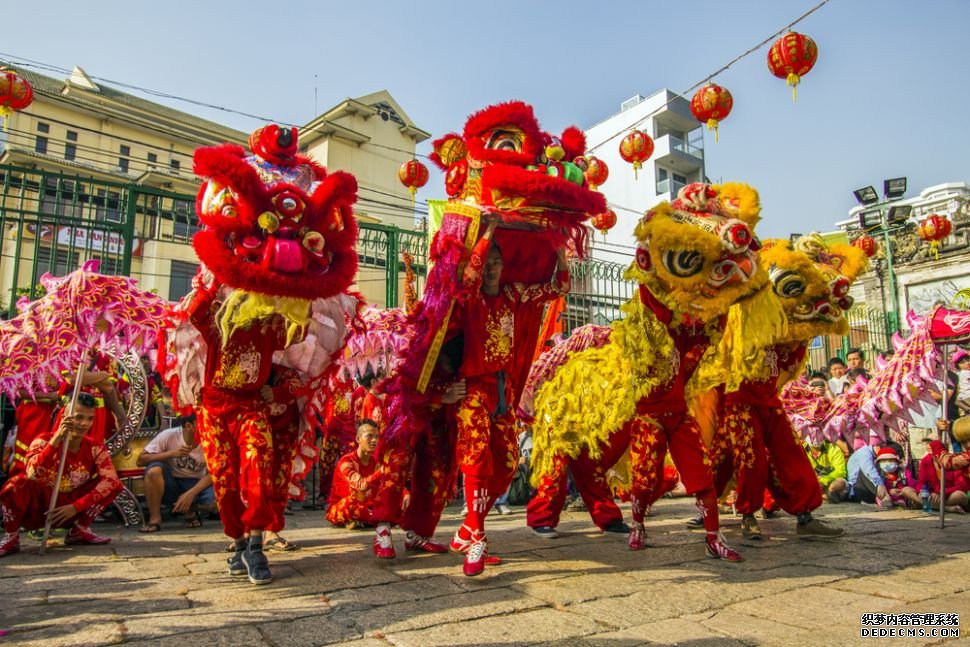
(894, 478)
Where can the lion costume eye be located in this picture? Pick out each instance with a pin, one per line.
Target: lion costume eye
(683, 263)
(788, 285)
(504, 140)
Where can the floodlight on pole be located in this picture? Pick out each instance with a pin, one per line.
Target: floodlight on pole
(898, 214)
(894, 188)
(866, 195)
(870, 219)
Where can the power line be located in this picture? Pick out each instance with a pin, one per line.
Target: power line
(709, 77)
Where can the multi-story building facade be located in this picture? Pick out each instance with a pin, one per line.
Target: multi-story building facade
(87, 166)
(678, 159)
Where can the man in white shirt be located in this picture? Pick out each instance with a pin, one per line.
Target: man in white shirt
(176, 474)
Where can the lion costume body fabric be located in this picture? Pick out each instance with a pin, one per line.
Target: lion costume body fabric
(609, 387)
(270, 308)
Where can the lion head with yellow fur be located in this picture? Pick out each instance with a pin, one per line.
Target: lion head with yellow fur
(812, 281)
(697, 255)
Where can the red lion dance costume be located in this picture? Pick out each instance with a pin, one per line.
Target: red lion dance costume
(515, 190)
(270, 302)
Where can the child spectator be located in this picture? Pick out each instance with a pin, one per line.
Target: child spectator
(828, 461)
(956, 485)
(894, 478)
(839, 379)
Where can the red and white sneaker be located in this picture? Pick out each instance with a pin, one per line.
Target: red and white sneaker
(476, 557)
(422, 544)
(458, 543)
(383, 544)
(718, 549)
(638, 536)
(81, 535)
(9, 543)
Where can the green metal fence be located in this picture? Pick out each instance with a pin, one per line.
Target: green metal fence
(869, 330)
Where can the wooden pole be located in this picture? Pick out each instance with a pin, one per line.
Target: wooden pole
(60, 468)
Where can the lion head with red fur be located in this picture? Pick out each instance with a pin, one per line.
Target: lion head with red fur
(504, 161)
(275, 222)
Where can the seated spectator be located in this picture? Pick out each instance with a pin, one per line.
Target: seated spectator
(89, 485)
(956, 485)
(355, 481)
(839, 379)
(894, 477)
(828, 461)
(176, 475)
(866, 481)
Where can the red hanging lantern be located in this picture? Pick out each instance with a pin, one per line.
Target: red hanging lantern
(792, 57)
(636, 148)
(934, 229)
(711, 104)
(605, 221)
(414, 175)
(596, 172)
(15, 93)
(867, 244)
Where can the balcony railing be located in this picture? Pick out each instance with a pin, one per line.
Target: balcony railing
(669, 186)
(676, 143)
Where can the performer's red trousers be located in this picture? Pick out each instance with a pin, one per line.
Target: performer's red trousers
(545, 507)
(241, 455)
(286, 440)
(757, 434)
(650, 439)
(25, 503)
(350, 508)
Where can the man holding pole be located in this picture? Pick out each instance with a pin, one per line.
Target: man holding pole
(88, 483)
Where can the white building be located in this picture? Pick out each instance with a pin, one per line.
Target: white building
(678, 159)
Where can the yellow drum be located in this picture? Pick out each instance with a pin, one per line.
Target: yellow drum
(126, 464)
(961, 430)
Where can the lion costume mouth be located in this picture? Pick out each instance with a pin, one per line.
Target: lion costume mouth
(504, 161)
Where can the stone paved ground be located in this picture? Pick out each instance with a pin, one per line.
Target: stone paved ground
(584, 588)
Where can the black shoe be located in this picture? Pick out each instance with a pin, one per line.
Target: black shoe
(696, 523)
(257, 566)
(546, 532)
(236, 566)
(618, 527)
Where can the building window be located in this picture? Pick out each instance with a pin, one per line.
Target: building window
(107, 206)
(43, 128)
(176, 165)
(183, 220)
(40, 145)
(70, 151)
(71, 136)
(61, 198)
(152, 158)
(125, 152)
(59, 265)
(181, 279)
(109, 264)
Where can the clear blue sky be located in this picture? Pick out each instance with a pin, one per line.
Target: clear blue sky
(888, 96)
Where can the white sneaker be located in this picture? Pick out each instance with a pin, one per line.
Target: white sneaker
(503, 509)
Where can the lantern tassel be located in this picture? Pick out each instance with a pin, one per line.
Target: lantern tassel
(636, 167)
(712, 125)
(935, 249)
(5, 112)
(413, 191)
(793, 81)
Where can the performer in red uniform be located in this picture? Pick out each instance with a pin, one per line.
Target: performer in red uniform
(422, 460)
(89, 483)
(487, 446)
(355, 481)
(338, 429)
(760, 432)
(236, 433)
